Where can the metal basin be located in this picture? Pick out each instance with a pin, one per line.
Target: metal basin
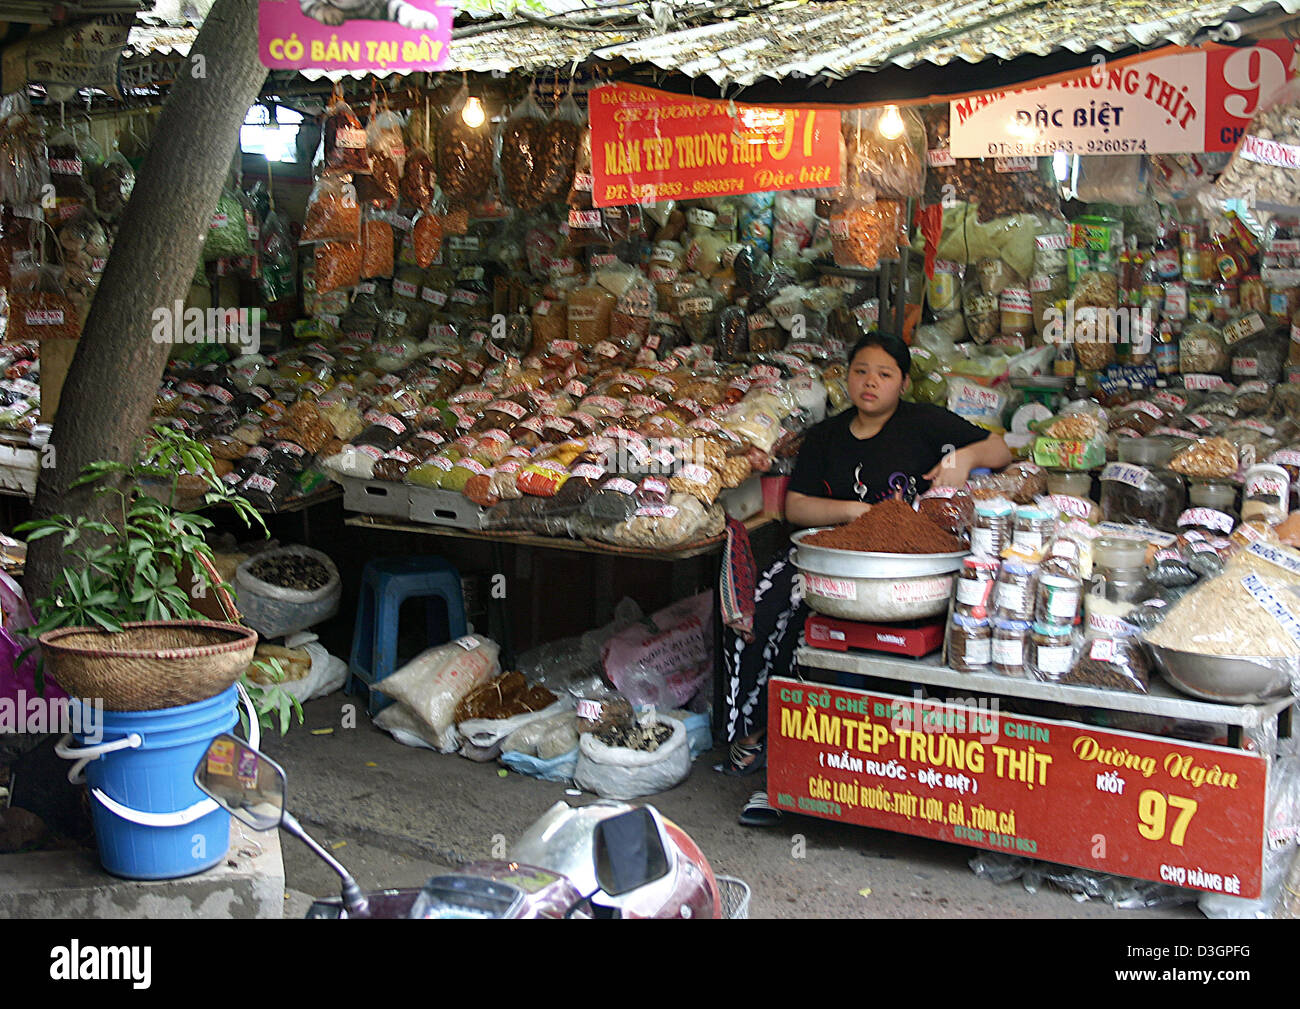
(1240, 680)
(855, 585)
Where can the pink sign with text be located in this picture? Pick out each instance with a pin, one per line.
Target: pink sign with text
(381, 36)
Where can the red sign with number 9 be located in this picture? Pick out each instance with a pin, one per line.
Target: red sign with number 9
(1238, 81)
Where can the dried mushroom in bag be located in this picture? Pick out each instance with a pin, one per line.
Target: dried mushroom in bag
(464, 154)
(419, 179)
(521, 150)
(558, 154)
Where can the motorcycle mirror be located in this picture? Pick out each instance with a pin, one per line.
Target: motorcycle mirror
(629, 852)
(246, 782)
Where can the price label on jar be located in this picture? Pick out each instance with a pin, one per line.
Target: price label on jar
(1126, 473)
(1285, 457)
(1054, 660)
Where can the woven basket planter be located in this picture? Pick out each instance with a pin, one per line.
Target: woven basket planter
(152, 665)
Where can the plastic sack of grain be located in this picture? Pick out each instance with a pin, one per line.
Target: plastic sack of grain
(435, 681)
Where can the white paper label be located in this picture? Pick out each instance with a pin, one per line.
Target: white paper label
(1008, 652)
(1122, 472)
(831, 588)
(1054, 659)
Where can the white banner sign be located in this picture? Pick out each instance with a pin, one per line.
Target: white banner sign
(1155, 106)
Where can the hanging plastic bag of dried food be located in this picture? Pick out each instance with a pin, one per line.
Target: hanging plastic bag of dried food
(227, 236)
(427, 237)
(333, 210)
(346, 144)
(886, 152)
(521, 149)
(24, 161)
(419, 179)
(792, 231)
(382, 186)
(113, 181)
(68, 175)
(559, 151)
(39, 307)
(384, 134)
(338, 265)
(376, 247)
(278, 278)
(465, 150)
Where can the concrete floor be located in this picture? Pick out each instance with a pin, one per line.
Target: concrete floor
(394, 815)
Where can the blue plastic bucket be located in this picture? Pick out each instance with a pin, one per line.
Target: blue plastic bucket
(151, 820)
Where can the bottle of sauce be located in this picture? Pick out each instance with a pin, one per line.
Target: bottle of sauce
(1167, 252)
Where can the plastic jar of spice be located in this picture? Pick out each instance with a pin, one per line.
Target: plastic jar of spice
(991, 527)
(1209, 521)
(1014, 596)
(1065, 559)
(969, 644)
(1119, 582)
(975, 584)
(1142, 496)
(1266, 493)
(1008, 650)
(1033, 528)
(1050, 651)
(1057, 598)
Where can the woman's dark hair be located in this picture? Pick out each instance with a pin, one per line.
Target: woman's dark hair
(890, 344)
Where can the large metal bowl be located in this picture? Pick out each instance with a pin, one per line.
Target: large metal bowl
(1239, 680)
(855, 585)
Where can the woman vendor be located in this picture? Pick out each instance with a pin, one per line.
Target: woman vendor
(881, 448)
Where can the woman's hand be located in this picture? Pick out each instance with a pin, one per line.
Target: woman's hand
(805, 511)
(953, 471)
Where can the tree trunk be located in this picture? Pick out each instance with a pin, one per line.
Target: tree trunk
(114, 377)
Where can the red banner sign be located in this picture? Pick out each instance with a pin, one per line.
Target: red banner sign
(648, 146)
(1139, 806)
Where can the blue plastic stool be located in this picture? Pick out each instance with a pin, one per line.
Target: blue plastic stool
(385, 585)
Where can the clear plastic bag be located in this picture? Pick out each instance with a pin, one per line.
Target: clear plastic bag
(432, 684)
(419, 179)
(376, 248)
(464, 154)
(1255, 175)
(521, 150)
(24, 162)
(384, 134)
(114, 181)
(558, 154)
(227, 236)
(346, 143)
(333, 210)
(881, 167)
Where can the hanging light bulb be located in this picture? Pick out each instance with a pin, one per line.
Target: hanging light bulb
(891, 123)
(473, 113)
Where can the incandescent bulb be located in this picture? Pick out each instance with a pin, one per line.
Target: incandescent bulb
(473, 113)
(891, 123)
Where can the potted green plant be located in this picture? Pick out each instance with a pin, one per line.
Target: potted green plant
(124, 589)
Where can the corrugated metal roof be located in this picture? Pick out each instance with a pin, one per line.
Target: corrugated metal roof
(831, 38)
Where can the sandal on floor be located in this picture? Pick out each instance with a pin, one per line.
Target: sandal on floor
(758, 812)
(745, 759)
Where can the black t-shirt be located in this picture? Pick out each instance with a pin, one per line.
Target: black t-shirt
(833, 463)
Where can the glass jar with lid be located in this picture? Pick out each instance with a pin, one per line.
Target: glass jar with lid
(1049, 653)
(969, 644)
(1220, 495)
(1033, 529)
(1014, 595)
(1071, 483)
(991, 527)
(975, 585)
(1119, 583)
(1065, 558)
(1141, 494)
